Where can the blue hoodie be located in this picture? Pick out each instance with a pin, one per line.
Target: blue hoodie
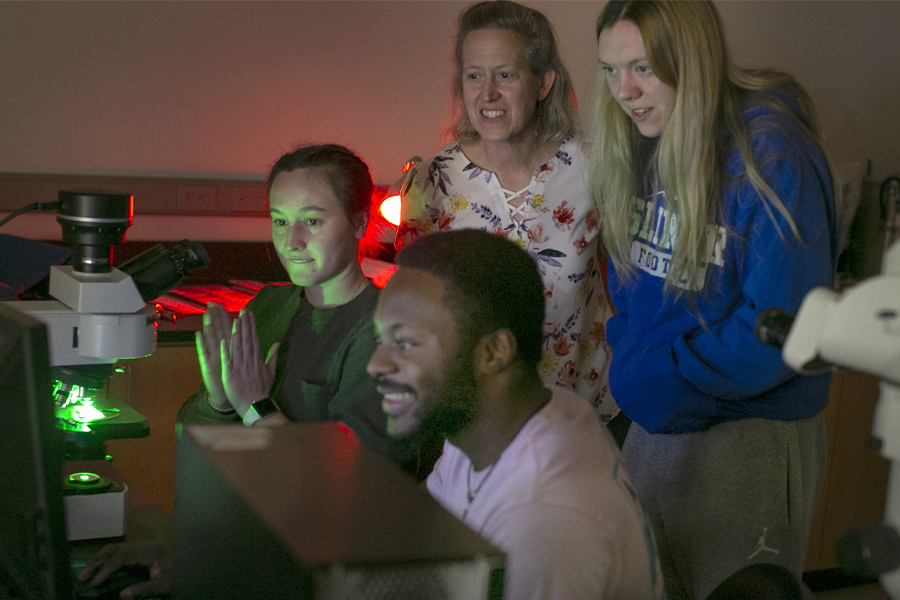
(672, 372)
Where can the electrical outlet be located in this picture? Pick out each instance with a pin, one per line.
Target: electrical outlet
(197, 198)
(249, 200)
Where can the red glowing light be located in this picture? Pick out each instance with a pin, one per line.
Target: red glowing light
(390, 209)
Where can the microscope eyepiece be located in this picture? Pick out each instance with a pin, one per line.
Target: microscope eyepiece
(157, 270)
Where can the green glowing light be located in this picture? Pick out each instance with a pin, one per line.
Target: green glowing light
(74, 395)
(85, 413)
(85, 479)
(77, 417)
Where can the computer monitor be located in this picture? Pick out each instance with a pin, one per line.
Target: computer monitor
(306, 511)
(34, 557)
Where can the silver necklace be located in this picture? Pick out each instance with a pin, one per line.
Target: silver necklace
(470, 493)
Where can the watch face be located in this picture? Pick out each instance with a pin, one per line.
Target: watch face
(264, 407)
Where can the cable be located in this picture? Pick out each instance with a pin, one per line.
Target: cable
(37, 206)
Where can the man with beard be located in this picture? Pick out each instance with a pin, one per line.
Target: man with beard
(531, 469)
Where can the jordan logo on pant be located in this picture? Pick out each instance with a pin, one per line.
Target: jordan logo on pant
(761, 545)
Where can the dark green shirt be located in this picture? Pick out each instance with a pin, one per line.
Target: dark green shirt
(321, 367)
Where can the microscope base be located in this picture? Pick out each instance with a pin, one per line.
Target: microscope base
(97, 515)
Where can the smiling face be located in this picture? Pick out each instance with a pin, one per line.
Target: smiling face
(500, 92)
(424, 374)
(316, 240)
(647, 100)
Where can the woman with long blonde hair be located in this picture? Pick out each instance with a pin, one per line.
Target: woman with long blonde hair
(716, 202)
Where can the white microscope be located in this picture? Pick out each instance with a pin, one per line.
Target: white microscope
(860, 329)
(97, 314)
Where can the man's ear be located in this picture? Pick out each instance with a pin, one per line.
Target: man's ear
(495, 351)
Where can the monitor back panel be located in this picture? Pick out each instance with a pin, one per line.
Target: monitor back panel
(307, 511)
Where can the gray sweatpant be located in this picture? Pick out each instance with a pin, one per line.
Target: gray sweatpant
(738, 493)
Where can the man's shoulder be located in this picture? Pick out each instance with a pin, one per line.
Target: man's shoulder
(569, 418)
(563, 452)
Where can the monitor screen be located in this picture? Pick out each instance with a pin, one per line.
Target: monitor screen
(34, 557)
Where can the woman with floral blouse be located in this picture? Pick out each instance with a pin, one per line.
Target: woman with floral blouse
(514, 166)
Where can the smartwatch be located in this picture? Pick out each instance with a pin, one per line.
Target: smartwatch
(260, 410)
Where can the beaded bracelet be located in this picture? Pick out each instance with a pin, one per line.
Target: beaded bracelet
(222, 411)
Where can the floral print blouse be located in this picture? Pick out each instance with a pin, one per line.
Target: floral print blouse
(555, 221)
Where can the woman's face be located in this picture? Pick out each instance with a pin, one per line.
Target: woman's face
(500, 92)
(315, 238)
(647, 100)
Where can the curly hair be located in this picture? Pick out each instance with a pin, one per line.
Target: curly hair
(493, 284)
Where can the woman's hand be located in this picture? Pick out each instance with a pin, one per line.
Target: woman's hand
(216, 330)
(245, 377)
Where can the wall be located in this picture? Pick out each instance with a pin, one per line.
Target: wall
(220, 89)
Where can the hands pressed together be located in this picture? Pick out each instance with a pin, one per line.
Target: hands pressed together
(234, 373)
(235, 376)
(216, 330)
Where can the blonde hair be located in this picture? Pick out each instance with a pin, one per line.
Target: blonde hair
(686, 49)
(555, 114)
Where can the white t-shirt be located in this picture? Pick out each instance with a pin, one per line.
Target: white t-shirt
(559, 504)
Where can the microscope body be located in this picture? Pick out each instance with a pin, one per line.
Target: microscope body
(97, 317)
(860, 329)
(99, 314)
